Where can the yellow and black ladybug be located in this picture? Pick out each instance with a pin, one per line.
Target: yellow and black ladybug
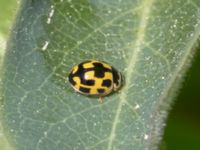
(95, 78)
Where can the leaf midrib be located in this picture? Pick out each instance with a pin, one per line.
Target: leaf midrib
(145, 12)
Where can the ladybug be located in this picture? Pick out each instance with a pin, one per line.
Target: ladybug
(95, 78)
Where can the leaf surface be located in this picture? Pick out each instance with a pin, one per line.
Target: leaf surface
(149, 41)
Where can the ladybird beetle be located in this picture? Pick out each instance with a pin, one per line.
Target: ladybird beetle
(95, 78)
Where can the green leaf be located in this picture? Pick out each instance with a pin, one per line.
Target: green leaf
(149, 41)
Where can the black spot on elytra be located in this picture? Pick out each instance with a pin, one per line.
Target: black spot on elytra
(116, 76)
(100, 91)
(106, 83)
(99, 70)
(80, 73)
(89, 82)
(70, 78)
(84, 90)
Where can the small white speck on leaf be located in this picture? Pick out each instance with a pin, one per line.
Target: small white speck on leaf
(192, 34)
(18, 1)
(72, 6)
(146, 136)
(44, 47)
(45, 133)
(35, 63)
(109, 11)
(79, 42)
(137, 106)
(147, 58)
(51, 13)
(119, 9)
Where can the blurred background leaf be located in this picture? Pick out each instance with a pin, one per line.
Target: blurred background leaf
(7, 14)
(183, 125)
(8, 10)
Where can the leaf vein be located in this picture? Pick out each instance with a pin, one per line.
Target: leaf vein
(145, 12)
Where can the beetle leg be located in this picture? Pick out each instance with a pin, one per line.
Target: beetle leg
(100, 100)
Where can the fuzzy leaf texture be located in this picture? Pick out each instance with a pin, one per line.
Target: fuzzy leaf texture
(149, 41)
